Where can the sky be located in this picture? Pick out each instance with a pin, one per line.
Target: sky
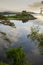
(16, 5)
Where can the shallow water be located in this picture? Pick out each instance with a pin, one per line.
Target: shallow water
(18, 37)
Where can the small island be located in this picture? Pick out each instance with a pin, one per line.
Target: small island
(24, 16)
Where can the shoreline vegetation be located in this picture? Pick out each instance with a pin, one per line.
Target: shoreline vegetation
(15, 56)
(24, 16)
(4, 20)
(36, 36)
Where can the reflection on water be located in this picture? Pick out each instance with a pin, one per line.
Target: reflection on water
(38, 37)
(3, 35)
(18, 37)
(7, 22)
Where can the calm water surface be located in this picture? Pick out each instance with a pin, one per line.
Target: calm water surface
(18, 37)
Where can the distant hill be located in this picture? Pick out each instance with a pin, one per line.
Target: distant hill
(9, 12)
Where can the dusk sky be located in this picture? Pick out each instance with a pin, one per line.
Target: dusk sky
(16, 5)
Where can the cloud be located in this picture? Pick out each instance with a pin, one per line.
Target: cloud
(36, 6)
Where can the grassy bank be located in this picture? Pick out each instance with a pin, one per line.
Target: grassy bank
(24, 16)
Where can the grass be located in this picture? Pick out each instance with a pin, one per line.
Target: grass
(24, 16)
(35, 35)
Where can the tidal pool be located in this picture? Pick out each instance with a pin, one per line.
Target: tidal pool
(17, 36)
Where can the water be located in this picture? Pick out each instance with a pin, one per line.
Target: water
(18, 37)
